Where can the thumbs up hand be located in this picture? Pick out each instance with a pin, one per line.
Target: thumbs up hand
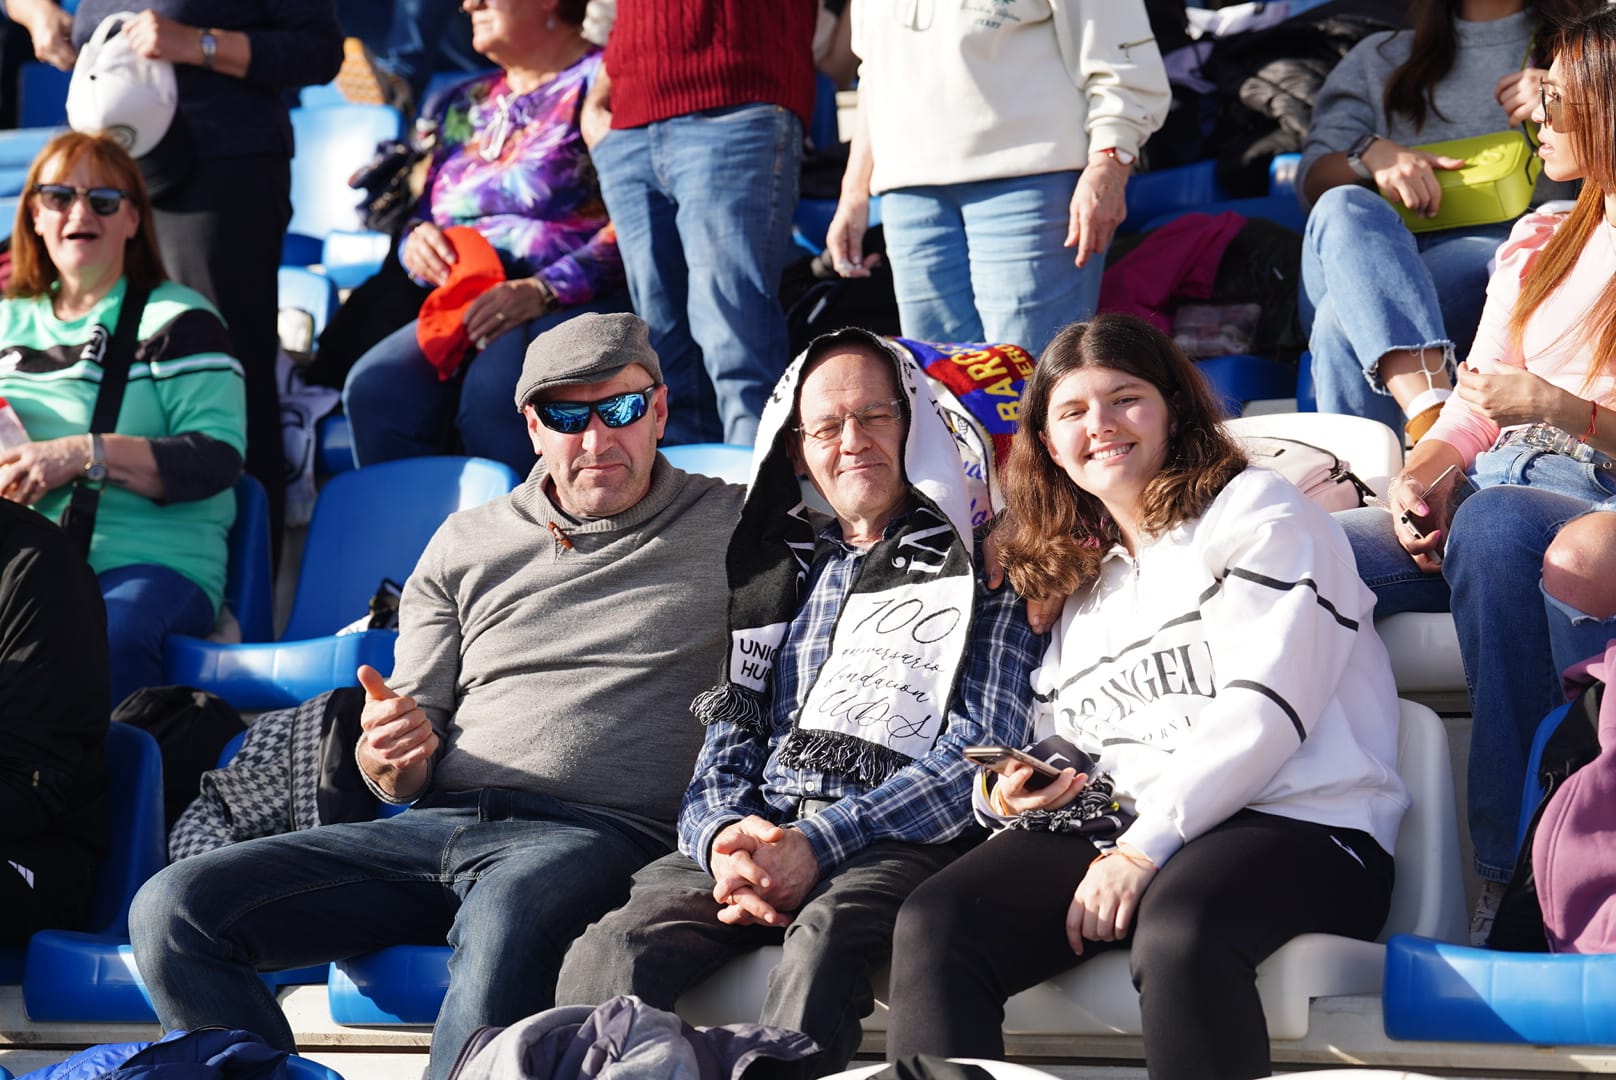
(396, 740)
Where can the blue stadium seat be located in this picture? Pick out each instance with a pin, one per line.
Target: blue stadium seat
(1435, 990)
(723, 460)
(81, 976)
(335, 454)
(368, 524)
(1240, 378)
(1161, 191)
(249, 581)
(8, 214)
(308, 290)
(352, 256)
(41, 96)
(404, 984)
(18, 148)
(331, 141)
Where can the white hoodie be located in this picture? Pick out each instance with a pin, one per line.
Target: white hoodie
(1233, 663)
(954, 91)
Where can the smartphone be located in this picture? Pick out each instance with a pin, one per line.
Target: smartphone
(1043, 771)
(1442, 499)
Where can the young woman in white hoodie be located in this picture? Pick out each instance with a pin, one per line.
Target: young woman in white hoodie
(1216, 655)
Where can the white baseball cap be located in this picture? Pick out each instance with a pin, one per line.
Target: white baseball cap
(119, 93)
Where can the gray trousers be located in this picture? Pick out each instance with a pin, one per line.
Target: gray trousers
(667, 939)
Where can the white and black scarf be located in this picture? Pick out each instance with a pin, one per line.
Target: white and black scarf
(881, 698)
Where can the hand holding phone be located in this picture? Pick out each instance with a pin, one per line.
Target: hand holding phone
(1442, 499)
(1048, 760)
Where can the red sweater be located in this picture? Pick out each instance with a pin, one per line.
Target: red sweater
(671, 57)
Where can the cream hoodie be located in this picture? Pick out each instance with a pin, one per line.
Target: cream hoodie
(961, 90)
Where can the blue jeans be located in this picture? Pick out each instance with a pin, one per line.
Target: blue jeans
(1370, 286)
(983, 261)
(146, 603)
(703, 206)
(1512, 637)
(397, 408)
(507, 879)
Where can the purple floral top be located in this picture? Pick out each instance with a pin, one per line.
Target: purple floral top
(515, 169)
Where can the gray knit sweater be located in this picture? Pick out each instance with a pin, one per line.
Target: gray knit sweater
(570, 671)
(1350, 103)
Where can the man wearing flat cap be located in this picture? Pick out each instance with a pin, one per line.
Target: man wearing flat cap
(537, 720)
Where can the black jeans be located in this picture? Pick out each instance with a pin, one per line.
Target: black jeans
(221, 235)
(994, 924)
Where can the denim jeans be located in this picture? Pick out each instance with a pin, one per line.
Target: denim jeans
(1512, 637)
(1370, 286)
(145, 603)
(397, 408)
(983, 261)
(703, 206)
(667, 938)
(506, 878)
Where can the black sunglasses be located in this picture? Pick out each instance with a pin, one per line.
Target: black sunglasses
(105, 201)
(571, 417)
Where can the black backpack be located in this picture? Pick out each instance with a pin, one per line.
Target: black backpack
(191, 727)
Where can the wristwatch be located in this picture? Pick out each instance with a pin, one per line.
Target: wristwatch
(95, 469)
(1119, 155)
(1355, 154)
(210, 48)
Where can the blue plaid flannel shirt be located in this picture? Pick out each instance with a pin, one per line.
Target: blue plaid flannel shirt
(928, 801)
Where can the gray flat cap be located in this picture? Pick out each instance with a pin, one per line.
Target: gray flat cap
(584, 349)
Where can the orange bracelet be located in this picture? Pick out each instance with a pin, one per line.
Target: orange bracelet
(1138, 860)
(1593, 421)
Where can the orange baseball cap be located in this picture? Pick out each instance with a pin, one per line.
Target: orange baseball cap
(440, 328)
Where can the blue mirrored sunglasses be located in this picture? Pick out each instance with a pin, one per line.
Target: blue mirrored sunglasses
(571, 417)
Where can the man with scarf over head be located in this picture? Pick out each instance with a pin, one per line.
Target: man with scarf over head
(866, 653)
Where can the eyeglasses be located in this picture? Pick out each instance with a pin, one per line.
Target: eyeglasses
(1554, 109)
(105, 201)
(872, 418)
(571, 417)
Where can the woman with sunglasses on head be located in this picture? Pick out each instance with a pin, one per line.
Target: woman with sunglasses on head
(1529, 424)
(1387, 311)
(83, 239)
(1215, 654)
(511, 164)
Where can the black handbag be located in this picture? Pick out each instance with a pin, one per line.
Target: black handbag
(78, 520)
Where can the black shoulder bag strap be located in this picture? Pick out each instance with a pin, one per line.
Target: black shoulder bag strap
(78, 520)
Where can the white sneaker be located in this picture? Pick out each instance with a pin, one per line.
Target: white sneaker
(1481, 919)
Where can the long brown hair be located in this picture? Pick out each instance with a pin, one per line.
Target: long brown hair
(32, 272)
(1411, 88)
(1054, 534)
(1586, 50)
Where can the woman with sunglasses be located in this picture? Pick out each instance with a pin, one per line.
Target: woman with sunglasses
(221, 182)
(510, 163)
(1215, 654)
(83, 237)
(1529, 422)
(1387, 310)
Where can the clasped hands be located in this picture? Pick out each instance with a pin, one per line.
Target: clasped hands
(761, 871)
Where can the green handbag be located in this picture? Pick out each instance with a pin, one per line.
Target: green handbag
(1501, 170)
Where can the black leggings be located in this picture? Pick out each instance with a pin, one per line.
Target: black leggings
(994, 923)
